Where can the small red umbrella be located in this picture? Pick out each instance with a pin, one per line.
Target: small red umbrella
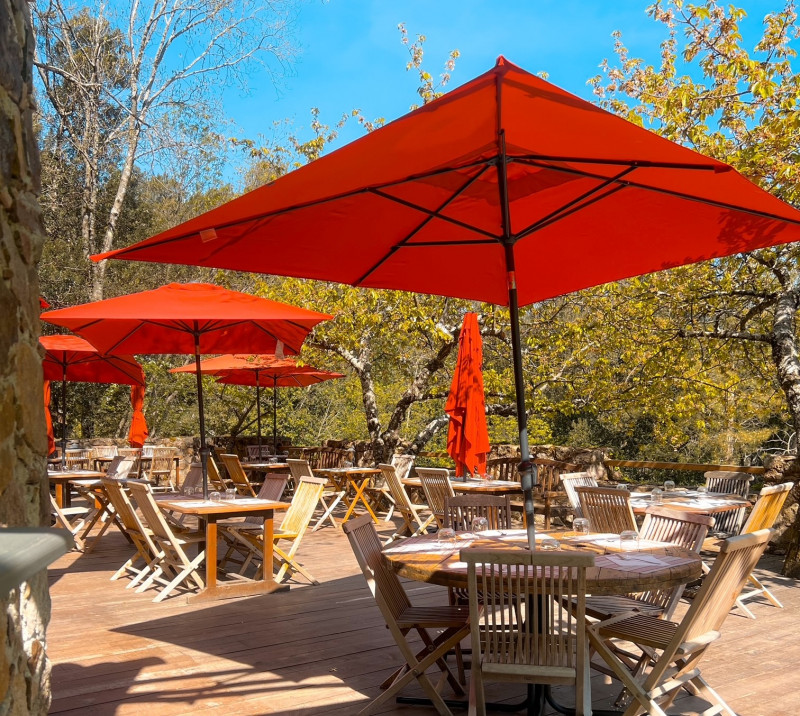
(48, 418)
(193, 318)
(70, 358)
(138, 432)
(258, 371)
(468, 436)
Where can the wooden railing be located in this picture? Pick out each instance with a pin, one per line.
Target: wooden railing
(689, 466)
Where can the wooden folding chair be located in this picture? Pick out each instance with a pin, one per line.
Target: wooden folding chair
(293, 527)
(522, 627)
(436, 485)
(74, 519)
(763, 516)
(174, 560)
(607, 509)
(571, 480)
(329, 498)
(237, 475)
(136, 454)
(503, 468)
(729, 483)
(379, 490)
(162, 466)
(77, 458)
(460, 510)
(414, 522)
(678, 647)
(215, 480)
(402, 618)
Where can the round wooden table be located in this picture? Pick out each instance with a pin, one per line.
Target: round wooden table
(424, 559)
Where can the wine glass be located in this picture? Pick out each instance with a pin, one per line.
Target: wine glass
(479, 524)
(628, 542)
(581, 525)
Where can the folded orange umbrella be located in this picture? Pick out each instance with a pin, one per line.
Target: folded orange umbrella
(51, 440)
(138, 432)
(468, 436)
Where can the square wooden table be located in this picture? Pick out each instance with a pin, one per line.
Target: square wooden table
(62, 478)
(209, 513)
(355, 478)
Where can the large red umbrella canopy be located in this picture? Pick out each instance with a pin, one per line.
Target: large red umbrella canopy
(468, 434)
(73, 359)
(261, 371)
(169, 318)
(507, 190)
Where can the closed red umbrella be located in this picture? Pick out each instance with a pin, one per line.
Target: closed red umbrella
(138, 432)
(48, 419)
(70, 358)
(258, 371)
(194, 318)
(488, 193)
(468, 435)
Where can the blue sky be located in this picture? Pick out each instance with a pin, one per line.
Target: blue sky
(351, 55)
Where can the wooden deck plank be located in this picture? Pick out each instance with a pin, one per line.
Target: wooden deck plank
(315, 649)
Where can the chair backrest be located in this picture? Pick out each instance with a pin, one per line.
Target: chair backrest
(77, 457)
(214, 478)
(236, 474)
(460, 510)
(730, 483)
(436, 485)
(396, 488)
(384, 584)
(103, 451)
(306, 496)
(402, 465)
(273, 487)
(193, 479)
(721, 587)
(687, 529)
(570, 481)
(332, 457)
(503, 468)
(254, 452)
(549, 472)
(607, 509)
(120, 467)
(300, 468)
(125, 510)
(551, 636)
(768, 507)
(154, 518)
(163, 459)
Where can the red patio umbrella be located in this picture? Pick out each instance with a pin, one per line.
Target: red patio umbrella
(138, 432)
(258, 371)
(505, 180)
(48, 419)
(69, 358)
(468, 435)
(194, 318)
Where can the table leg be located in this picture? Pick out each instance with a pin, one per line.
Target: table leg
(359, 497)
(60, 494)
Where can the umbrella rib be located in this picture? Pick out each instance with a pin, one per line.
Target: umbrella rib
(634, 163)
(316, 202)
(669, 192)
(574, 205)
(428, 218)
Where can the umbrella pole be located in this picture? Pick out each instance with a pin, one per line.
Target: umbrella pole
(274, 416)
(64, 420)
(527, 470)
(203, 448)
(258, 411)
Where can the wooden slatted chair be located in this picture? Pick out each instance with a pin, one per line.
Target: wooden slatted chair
(136, 454)
(572, 480)
(402, 619)
(460, 510)
(520, 630)
(293, 527)
(215, 480)
(76, 519)
(329, 498)
(549, 494)
(503, 468)
(729, 483)
(142, 538)
(237, 475)
(101, 451)
(436, 485)
(415, 521)
(121, 467)
(763, 516)
(160, 472)
(607, 509)
(77, 458)
(378, 489)
(677, 648)
(174, 560)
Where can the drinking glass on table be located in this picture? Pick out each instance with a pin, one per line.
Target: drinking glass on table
(702, 488)
(479, 524)
(230, 495)
(215, 496)
(622, 486)
(548, 544)
(446, 536)
(580, 525)
(669, 485)
(628, 542)
(657, 496)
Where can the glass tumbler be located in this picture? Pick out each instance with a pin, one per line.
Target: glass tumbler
(581, 525)
(628, 542)
(669, 485)
(480, 524)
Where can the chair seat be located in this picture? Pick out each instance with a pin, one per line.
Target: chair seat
(641, 629)
(434, 617)
(605, 607)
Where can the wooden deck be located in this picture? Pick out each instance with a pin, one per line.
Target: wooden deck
(319, 650)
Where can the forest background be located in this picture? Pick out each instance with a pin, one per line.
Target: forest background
(698, 364)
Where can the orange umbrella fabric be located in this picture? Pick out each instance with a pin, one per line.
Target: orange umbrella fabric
(468, 436)
(51, 440)
(138, 432)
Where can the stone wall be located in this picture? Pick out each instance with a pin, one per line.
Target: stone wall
(24, 613)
